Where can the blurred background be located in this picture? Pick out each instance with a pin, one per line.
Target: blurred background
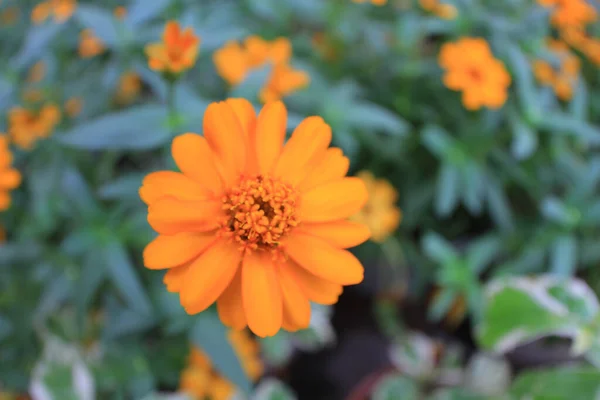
(472, 122)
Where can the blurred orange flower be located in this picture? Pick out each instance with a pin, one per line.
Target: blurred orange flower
(32, 95)
(284, 80)
(471, 68)
(120, 12)
(234, 61)
(570, 13)
(130, 85)
(89, 44)
(2, 239)
(380, 214)
(10, 178)
(37, 72)
(9, 15)
(25, 126)
(257, 227)
(61, 10)
(562, 79)
(176, 53)
(324, 46)
(73, 106)
(375, 2)
(199, 380)
(442, 10)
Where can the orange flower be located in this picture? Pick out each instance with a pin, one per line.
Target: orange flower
(543, 71)
(61, 10)
(120, 12)
(176, 53)
(89, 44)
(324, 46)
(446, 11)
(231, 63)
(428, 5)
(10, 178)
(284, 80)
(257, 227)
(471, 68)
(32, 95)
(564, 78)
(199, 380)
(73, 106)
(375, 2)
(25, 127)
(130, 86)
(570, 13)
(9, 16)
(380, 214)
(37, 72)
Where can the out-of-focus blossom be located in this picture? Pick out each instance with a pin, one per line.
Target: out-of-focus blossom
(60, 10)
(10, 178)
(176, 53)
(472, 69)
(564, 77)
(26, 126)
(73, 106)
(89, 44)
(374, 2)
(120, 12)
(129, 87)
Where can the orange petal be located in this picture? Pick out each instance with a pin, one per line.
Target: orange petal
(172, 251)
(224, 134)
(270, 134)
(175, 277)
(245, 113)
(261, 294)
(341, 233)
(169, 216)
(333, 166)
(324, 260)
(317, 289)
(159, 184)
(336, 200)
(4, 200)
(209, 275)
(194, 158)
(296, 308)
(10, 179)
(229, 305)
(171, 33)
(308, 142)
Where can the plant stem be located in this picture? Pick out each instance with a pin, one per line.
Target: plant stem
(171, 106)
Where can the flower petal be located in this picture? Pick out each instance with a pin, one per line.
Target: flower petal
(225, 136)
(10, 179)
(245, 113)
(171, 34)
(342, 233)
(169, 216)
(270, 134)
(261, 295)
(161, 184)
(308, 142)
(194, 158)
(336, 200)
(296, 308)
(317, 289)
(324, 260)
(209, 275)
(333, 166)
(230, 306)
(175, 250)
(175, 278)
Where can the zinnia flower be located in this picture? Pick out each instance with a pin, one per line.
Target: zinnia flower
(25, 126)
(255, 225)
(570, 13)
(284, 80)
(176, 53)
(442, 10)
(120, 12)
(380, 214)
(199, 380)
(471, 68)
(89, 44)
(61, 10)
(562, 79)
(129, 88)
(10, 178)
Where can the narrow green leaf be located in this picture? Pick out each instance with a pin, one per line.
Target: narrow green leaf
(142, 11)
(563, 256)
(438, 249)
(37, 40)
(100, 21)
(447, 190)
(394, 387)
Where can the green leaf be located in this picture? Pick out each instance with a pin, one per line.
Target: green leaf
(520, 309)
(37, 40)
(525, 85)
(438, 249)
(78, 194)
(564, 124)
(122, 274)
(395, 387)
(100, 21)
(498, 205)
(142, 11)
(252, 85)
(560, 383)
(441, 304)
(372, 117)
(277, 349)
(482, 252)
(563, 256)
(525, 139)
(448, 190)
(210, 335)
(123, 187)
(272, 389)
(140, 128)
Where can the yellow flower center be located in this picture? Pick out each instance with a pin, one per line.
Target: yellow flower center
(260, 211)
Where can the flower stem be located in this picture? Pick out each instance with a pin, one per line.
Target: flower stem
(171, 106)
